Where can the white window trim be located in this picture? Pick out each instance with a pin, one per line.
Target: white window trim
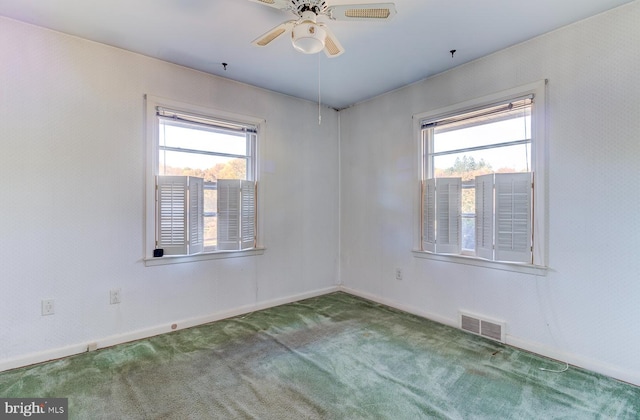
(539, 162)
(151, 136)
(479, 262)
(215, 255)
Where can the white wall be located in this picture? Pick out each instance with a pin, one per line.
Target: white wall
(586, 309)
(72, 164)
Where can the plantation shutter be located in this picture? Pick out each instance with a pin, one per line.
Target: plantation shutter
(248, 215)
(484, 216)
(429, 215)
(196, 215)
(180, 217)
(513, 199)
(172, 214)
(236, 214)
(228, 214)
(448, 221)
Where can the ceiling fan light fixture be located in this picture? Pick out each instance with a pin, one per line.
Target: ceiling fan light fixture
(308, 38)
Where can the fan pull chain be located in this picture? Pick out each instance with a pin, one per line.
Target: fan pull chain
(319, 94)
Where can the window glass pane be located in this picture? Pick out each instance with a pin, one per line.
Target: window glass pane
(470, 164)
(512, 129)
(468, 200)
(196, 137)
(468, 233)
(210, 198)
(210, 232)
(468, 208)
(210, 215)
(208, 167)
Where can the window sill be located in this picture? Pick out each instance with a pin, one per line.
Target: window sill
(178, 259)
(478, 262)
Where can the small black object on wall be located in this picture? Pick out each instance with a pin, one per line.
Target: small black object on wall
(158, 252)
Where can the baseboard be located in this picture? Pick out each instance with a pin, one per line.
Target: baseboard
(403, 307)
(532, 347)
(575, 360)
(58, 353)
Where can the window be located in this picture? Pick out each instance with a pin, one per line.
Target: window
(481, 165)
(202, 180)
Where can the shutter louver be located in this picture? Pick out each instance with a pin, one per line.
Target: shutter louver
(484, 216)
(248, 215)
(196, 215)
(448, 209)
(513, 193)
(236, 214)
(228, 214)
(179, 209)
(429, 215)
(172, 214)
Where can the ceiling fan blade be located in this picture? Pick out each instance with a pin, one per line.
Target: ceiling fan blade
(371, 11)
(264, 39)
(332, 47)
(278, 4)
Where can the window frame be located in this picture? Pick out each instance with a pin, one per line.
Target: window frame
(538, 168)
(152, 103)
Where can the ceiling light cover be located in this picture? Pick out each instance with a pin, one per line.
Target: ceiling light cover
(308, 37)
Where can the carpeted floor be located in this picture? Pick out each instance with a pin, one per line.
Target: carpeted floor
(332, 357)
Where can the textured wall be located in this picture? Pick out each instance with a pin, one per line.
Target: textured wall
(72, 165)
(585, 310)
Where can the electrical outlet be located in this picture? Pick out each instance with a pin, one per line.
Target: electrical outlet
(398, 274)
(114, 296)
(48, 307)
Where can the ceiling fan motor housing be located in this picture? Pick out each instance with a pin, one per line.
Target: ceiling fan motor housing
(315, 6)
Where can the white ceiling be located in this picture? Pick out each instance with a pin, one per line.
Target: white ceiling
(379, 57)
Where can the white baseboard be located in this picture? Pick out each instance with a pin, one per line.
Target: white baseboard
(403, 307)
(57, 353)
(555, 354)
(575, 360)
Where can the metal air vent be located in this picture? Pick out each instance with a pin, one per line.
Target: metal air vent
(482, 326)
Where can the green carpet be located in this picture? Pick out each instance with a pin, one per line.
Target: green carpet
(332, 357)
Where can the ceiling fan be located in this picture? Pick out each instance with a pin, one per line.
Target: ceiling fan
(309, 36)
